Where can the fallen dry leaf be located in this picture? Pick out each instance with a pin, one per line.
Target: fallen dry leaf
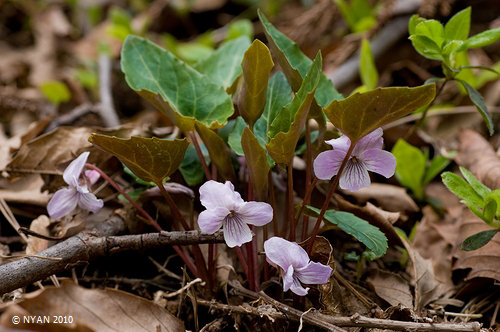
(26, 190)
(478, 156)
(391, 287)
(96, 309)
(388, 197)
(40, 226)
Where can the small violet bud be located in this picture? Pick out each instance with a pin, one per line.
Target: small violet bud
(92, 176)
(76, 194)
(366, 156)
(294, 265)
(225, 208)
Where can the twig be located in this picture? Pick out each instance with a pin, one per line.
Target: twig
(7, 213)
(89, 245)
(106, 108)
(181, 290)
(71, 116)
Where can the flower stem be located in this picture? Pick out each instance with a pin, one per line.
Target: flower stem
(242, 260)
(194, 140)
(198, 256)
(251, 265)
(333, 187)
(291, 216)
(146, 215)
(272, 201)
(305, 219)
(426, 109)
(127, 197)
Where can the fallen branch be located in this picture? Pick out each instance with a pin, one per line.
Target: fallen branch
(355, 320)
(89, 245)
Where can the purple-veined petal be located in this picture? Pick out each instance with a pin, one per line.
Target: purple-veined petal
(314, 273)
(379, 161)
(327, 163)
(212, 219)
(355, 176)
(287, 278)
(255, 213)
(236, 232)
(62, 203)
(285, 253)
(215, 194)
(372, 140)
(297, 288)
(72, 172)
(342, 143)
(89, 201)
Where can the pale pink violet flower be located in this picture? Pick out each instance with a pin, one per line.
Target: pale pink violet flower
(76, 194)
(366, 156)
(295, 266)
(225, 208)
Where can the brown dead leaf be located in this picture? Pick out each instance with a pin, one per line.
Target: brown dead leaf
(40, 226)
(483, 262)
(388, 197)
(27, 190)
(97, 309)
(391, 287)
(478, 156)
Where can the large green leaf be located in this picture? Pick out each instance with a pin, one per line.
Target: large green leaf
(151, 159)
(362, 113)
(371, 236)
(410, 167)
(257, 64)
(258, 167)
(279, 94)
(286, 128)
(458, 26)
(295, 64)
(223, 65)
(218, 151)
(172, 86)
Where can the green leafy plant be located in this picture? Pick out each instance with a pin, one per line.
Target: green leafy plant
(414, 170)
(449, 44)
(481, 200)
(359, 15)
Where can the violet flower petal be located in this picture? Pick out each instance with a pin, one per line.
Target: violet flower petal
(89, 201)
(288, 278)
(372, 140)
(379, 161)
(236, 232)
(211, 220)
(342, 143)
(327, 163)
(355, 176)
(314, 273)
(63, 202)
(255, 213)
(285, 253)
(215, 194)
(92, 175)
(72, 172)
(297, 288)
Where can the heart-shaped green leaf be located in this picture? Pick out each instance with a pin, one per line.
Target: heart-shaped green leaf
(362, 113)
(172, 86)
(218, 151)
(256, 158)
(371, 236)
(257, 64)
(223, 65)
(286, 128)
(295, 64)
(151, 159)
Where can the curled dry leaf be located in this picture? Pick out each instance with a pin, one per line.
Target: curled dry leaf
(479, 157)
(41, 226)
(96, 309)
(391, 287)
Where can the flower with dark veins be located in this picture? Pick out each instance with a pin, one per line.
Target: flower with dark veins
(366, 156)
(76, 194)
(295, 266)
(225, 208)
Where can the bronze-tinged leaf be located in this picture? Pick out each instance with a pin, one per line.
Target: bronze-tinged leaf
(151, 159)
(257, 64)
(218, 151)
(258, 166)
(362, 113)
